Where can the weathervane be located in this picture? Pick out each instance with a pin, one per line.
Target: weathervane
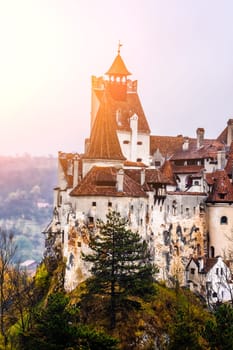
(119, 47)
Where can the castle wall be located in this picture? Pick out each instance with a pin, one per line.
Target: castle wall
(179, 232)
(220, 217)
(142, 147)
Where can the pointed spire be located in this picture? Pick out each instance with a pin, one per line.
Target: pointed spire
(118, 67)
(104, 143)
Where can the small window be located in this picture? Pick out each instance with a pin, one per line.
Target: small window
(60, 200)
(192, 271)
(79, 244)
(196, 183)
(125, 142)
(223, 220)
(109, 204)
(157, 163)
(212, 252)
(139, 143)
(94, 204)
(139, 159)
(217, 271)
(222, 271)
(181, 209)
(174, 208)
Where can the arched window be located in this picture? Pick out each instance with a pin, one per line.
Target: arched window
(223, 220)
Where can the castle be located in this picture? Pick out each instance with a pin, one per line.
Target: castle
(176, 192)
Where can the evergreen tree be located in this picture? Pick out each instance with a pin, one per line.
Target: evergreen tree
(220, 332)
(120, 262)
(55, 327)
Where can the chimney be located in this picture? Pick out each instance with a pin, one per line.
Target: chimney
(229, 132)
(143, 176)
(134, 137)
(221, 159)
(200, 137)
(201, 264)
(75, 171)
(186, 144)
(120, 180)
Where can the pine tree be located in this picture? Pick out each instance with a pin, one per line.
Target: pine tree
(120, 262)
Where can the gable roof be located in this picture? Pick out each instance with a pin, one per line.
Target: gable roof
(171, 147)
(208, 149)
(167, 145)
(152, 176)
(101, 181)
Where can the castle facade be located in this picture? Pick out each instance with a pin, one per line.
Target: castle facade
(176, 192)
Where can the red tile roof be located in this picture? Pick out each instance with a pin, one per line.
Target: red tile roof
(208, 149)
(104, 143)
(66, 161)
(167, 145)
(152, 176)
(128, 107)
(101, 181)
(167, 171)
(222, 190)
(129, 163)
(118, 67)
(229, 165)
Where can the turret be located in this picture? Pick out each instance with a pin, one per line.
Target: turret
(117, 78)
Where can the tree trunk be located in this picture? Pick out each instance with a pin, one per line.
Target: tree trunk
(113, 306)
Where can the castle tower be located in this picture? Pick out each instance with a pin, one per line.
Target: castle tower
(117, 78)
(220, 214)
(123, 102)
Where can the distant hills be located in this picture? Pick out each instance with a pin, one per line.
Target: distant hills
(26, 198)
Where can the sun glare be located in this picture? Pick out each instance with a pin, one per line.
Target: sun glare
(30, 42)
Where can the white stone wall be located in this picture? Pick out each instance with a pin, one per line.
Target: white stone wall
(142, 149)
(221, 234)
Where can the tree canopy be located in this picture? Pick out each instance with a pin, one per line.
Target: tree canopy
(120, 261)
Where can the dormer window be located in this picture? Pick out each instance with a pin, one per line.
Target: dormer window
(222, 195)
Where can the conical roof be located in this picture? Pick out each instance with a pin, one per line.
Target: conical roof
(229, 165)
(104, 143)
(118, 67)
(222, 190)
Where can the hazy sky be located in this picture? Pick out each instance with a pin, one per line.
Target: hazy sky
(180, 51)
